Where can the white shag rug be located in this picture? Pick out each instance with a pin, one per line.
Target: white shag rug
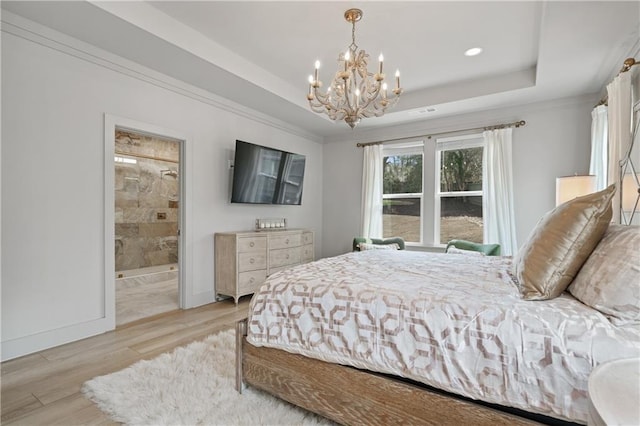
(193, 385)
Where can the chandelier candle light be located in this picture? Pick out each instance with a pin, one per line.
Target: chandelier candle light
(354, 92)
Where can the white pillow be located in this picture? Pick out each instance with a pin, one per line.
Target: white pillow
(367, 246)
(455, 250)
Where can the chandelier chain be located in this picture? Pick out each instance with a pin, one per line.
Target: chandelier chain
(353, 47)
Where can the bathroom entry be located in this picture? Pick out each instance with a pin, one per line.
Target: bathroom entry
(147, 195)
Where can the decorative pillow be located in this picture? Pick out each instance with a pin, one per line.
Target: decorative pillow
(455, 250)
(609, 280)
(366, 246)
(397, 240)
(560, 243)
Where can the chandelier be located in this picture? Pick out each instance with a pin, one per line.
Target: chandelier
(354, 92)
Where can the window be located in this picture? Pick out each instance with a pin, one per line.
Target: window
(432, 192)
(458, 198)
(402, 191)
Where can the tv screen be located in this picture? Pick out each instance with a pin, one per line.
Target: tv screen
(263, 175)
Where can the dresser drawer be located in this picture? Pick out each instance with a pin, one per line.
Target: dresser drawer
(307, 253)
(307, 238)
(251, 261)
(284, 257)
(257, 243)
(284, 241)
(249, 282)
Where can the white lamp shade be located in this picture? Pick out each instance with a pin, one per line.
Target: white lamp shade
(630, 192)
(570, 187)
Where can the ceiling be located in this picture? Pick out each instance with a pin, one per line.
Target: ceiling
(261, 53)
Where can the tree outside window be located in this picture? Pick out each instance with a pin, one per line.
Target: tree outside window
(402, 194)
(461, 194)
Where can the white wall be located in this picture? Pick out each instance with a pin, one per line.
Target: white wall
(555, 142)
(54, 99)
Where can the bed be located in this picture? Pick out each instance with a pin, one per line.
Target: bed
(384, 337)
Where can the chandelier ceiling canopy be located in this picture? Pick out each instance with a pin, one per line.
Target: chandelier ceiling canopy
(354, 92)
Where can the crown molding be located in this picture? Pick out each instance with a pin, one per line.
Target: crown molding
(31, 31)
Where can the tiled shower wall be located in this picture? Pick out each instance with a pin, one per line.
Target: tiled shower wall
(146, 201)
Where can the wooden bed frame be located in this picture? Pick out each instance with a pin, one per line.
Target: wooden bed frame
(348, 395)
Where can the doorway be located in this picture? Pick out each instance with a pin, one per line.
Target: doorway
(147, 218)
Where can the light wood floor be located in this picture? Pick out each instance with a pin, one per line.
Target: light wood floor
(44, 388)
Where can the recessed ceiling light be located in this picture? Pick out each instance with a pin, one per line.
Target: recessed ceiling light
(473, 51)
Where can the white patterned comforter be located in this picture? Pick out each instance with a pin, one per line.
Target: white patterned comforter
(454, 322)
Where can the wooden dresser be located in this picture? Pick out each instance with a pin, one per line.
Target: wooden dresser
(243, 260)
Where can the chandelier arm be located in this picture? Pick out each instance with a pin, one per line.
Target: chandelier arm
(371, 95)
(333, 108)
(324, 99)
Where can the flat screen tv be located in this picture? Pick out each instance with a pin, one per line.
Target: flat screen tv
(263, 175)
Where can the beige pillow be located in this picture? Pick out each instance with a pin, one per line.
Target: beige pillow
(609, 280)
(560, 244)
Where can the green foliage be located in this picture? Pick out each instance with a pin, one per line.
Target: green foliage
(402, 174)
(461, 170)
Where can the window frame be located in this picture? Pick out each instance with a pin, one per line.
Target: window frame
(408, 148)
(474, 140)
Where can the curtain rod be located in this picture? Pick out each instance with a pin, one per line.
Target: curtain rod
(515, 124)
(626, 66)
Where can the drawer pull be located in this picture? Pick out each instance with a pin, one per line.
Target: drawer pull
(287, 256)
(252, 280)
(251, 260)
(286, 241)
(251, 244)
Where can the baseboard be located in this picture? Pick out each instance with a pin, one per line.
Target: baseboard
(200, 299)
(21, 346)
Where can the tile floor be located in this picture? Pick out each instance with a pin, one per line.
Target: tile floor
(146, 295)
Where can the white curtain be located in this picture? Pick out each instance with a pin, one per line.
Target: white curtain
(372, 192)
(599, 157)
(619, 118)
(497, 186)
